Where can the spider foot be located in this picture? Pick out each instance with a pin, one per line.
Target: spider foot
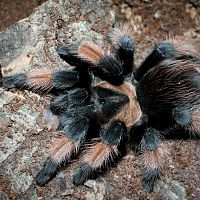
(14, 81)
(149, 179)
(83, 173)
(47, 173)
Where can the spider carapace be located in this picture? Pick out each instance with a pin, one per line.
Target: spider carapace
(104, 96)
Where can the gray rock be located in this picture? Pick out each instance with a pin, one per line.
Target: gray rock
(30, 44)
(5, 98)
(171, 189)
(10, 145)
(102, 190)
(99, 191)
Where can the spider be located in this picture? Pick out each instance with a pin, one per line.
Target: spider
(105, 97)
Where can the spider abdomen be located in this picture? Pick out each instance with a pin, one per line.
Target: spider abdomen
(170, 90)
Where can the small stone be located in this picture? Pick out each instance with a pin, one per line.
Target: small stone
(99, 190)
(171, 189)
(157, 14)
(67, 193)
(6, 97)
(90, 183)
(124, 198)
(50, 119)
(1, 90)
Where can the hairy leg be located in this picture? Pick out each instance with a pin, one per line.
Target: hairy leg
(101, 153)
(160, 52)
(123, 45)
(81, 55)
(73, 129)
(65, 145)
(152, 158)
(107, 67)
(194, 125)
(136, 133)
(41, 80)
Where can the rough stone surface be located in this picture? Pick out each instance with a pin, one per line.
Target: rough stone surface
(171, 189)
(6, 97)
(29, 44)
(24, 133)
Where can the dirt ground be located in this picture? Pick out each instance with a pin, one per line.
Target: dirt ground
(13, 11)
(151, 21)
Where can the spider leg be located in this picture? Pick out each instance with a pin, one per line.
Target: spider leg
(152, 158)
(65, 145)
(195, 123)
(101, 153)
(136, 132)
(160, 52)
(48, 171)
(71, 99)
(123, 45)
(74, 126)
(181, 116)
(107, 67)
(59, 104)
(43, 80)
(188, 119)
(82, 55)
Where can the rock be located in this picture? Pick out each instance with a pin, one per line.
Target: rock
(102, 190)
(5, 98)
(157, 14)
(10, 144)
(29, 44)
(3, 196)
(50, 119)
(171, 189)
(31, 194)
(99, 191)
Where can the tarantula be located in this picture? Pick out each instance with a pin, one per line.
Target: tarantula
(106, 97)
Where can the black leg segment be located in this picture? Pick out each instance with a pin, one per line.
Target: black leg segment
(152, 158)
(159, 53)
(47, 173)
(125, 53)
(15, 81)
